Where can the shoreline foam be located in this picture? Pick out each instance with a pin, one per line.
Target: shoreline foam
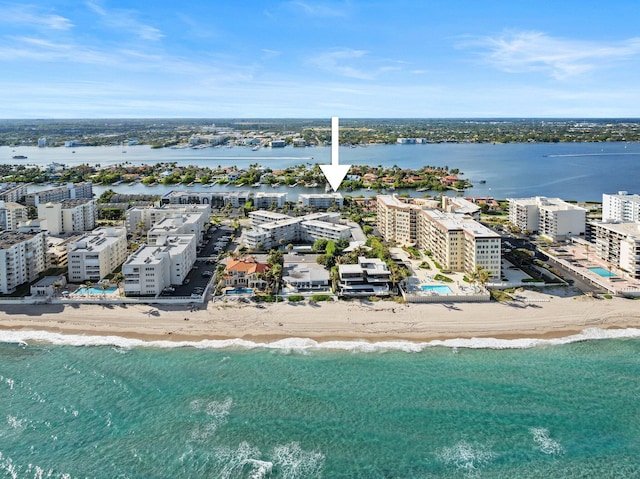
(28, 338)
(357, 325)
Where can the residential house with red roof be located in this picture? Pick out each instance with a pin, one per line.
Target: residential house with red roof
(245, 273)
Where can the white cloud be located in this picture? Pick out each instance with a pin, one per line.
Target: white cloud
(350, 63)
(124, 20)
(519, 52)
(268, 53)
(341, 62)
(316, 9)
(28, 15)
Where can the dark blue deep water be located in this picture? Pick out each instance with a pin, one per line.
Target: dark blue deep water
(572, 171)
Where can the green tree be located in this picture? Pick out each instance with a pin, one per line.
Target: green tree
(320, 245)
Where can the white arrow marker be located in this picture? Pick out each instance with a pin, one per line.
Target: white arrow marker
(335, 172)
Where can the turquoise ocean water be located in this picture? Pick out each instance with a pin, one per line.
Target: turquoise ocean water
(109, 408)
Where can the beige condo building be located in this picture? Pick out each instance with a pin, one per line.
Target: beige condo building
(457, 241)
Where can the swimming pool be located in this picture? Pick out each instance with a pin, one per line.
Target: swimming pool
(605, 273)
(239, 291)
(437, 288)
(94, 290)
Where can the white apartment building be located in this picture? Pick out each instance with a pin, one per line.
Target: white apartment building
(621, 207)
(551, 217)
(11, 214)
(370, 277)
(268, 229)
(152, 268)
(259, 217)
(186, 224)
(524, 213)
(96, 254)
(13, 193)
(69, 216)
(140, 220)
(313, 230)
(215, 199)
(262, 199)
(22, 259)
(218, 199)
(618, 244)
(322, 201)
(71, 191)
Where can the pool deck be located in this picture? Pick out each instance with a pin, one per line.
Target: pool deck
(579, 257)
(425, 277)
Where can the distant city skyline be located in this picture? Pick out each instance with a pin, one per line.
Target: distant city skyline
(314, 59)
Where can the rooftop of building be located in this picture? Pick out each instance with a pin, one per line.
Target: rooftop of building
(72, 203)
(546, 203)
(326, 225)
(623, 195)
(246, 265)
(154, 253)
(626, 229)
(454, 221)
(98, 239)
(393, 201)
(334, 195)
(11, 205)
(11, 238)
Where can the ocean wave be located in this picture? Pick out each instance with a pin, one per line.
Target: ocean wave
(302, 345)
(466, 457)
(545, 443)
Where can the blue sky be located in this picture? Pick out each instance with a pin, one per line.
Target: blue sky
(309, 59)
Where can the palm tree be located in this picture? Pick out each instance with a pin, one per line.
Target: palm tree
(480, 276)
(275, 276)
(334, 275)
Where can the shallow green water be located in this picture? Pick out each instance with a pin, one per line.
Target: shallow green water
(100, 411)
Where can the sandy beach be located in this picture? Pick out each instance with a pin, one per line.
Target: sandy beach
(539, 315)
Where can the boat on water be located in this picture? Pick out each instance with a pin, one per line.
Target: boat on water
(311, 185)
(19, 157)
(255, 185)
(421, 189)
(293, 185)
